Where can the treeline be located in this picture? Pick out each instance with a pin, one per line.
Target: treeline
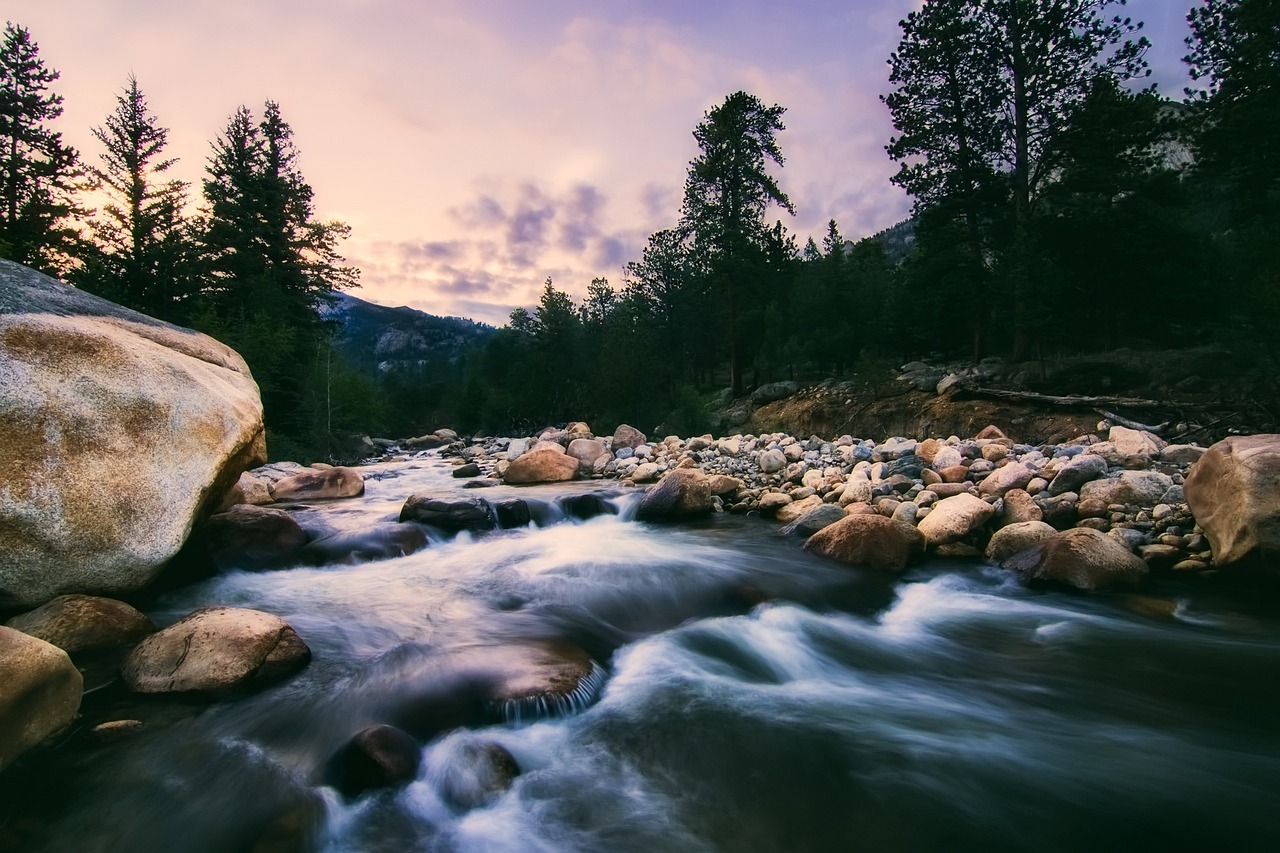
(1060, 207)
(252, 267)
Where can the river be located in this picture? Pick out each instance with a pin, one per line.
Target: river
(750, 697)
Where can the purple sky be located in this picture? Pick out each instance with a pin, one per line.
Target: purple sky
(478, 147)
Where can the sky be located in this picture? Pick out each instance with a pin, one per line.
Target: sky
(477, 147)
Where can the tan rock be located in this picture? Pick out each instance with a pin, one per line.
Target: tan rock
(627, 436)
(1019, 506)
(247, 490)
(586, 451)
(213, 650)
(797, 509)
(1014, 475)
(869, 540)
(40, 692)
(1143, 488)
(78, 623)
(1080, 557)
(1016, 538)
(320, 485)
(1234, 494)
(954, 518)
(541, 465)
(116, 432)
(1132, 442)
(990, 432)
(682, 493)
(954, 474)
(773, 501)
(723, 485)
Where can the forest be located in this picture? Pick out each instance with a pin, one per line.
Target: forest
(1061, 204)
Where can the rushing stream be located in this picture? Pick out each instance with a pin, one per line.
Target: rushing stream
(750, 697)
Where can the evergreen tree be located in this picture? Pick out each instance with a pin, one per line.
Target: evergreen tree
(141, 256)
(726, 194)
(38, 173)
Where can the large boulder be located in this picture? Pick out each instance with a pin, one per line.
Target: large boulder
(1015, 475)
(1143, 488)
(1079, 557)
(954, 518)
(773, 391)
(1234, 494)
(216, 650)
(682, 493)
(117, 432)
(869, 540)
(627, 436)
(40, 692)
(541, 465)
(586, 451)
(314, 485)
(252, 537)
(83, 623)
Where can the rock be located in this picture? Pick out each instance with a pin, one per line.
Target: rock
(990, 432)
(81, 623)
(1016, 538)
(583, 507)
(1078, 471)
(40, 696)
(117, 432)
(869, 540)
(425, 442)
(947, 457)
(797, 509)
(449, 516)
(950, 490)
(471, 469)
(857, 489)
(682, 493)
(646, 472)
(1060, 511)
(772, 461)
(541, 466)
(954, 518)
(1019, 506)
(773, 501)
(517, 448)
(382, 541)
(1182, 454)
(1080, 557)
(1143, 488)
(216, 650)
(1014, 475)
(773, 391)
(251, 537)
(579, 429)
(320, 485)
(377, 757)
(1132, 442)
(248, 489)
(907, 466)
(478, 773)
(928, 449)
(723, 485)
(905, 512)
(586, 451)
(446, 435)
(114, 730)
(813, 521)
(1234, 494)
(627, 436)
(511, 513)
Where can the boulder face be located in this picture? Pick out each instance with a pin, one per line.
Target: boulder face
(319, 485)
(117, 431)
(954, 518)
(1234, 494)
(215, 650)
(541, 465)
(81, 623)
(869, 540)
(682, 493)
(1080, 557)
(41, 692)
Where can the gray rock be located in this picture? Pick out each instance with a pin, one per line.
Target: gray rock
(773, 391)
(1080, 470)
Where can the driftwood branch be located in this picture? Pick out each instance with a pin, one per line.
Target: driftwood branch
(1131, 424)
(1074, 401)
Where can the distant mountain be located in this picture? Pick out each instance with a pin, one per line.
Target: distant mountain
(377, 338)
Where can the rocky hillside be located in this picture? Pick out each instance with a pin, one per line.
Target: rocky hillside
(378, 338)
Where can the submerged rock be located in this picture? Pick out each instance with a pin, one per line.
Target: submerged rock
(376, 542)
(40, 692)
(478, 772)
(377, 757)
(81, 623)
(116, 432)
(216, 650)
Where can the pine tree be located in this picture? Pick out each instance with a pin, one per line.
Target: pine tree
(38, 173)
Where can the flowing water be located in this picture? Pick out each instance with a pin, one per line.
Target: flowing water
(749, 697)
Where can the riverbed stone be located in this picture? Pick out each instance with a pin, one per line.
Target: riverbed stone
(1234, 494)
(216, 650)
(627, 436)
(1133, 442)
(1076, 472)
(795, 510)
(1019, 506)
(954, 518)
(772, 461)
(248, 489)
(381, 541)
(82, 623)
(586, 451)
(479, 772)
(1082, 558)
(250, 537)
(450, 516)
(40, 692)
(1142, 488)
(813, 521)
(682, 493)
(377, 757)
(869, 540)
(1016, 538)
(1014, 475)
(315, 485)
(541, 465)
(117, 432)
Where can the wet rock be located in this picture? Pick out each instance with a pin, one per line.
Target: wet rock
(449, 516)
(117, 432)
(248, 536)
(40, 692)
(954, 518)
(377, 757)
(377, 542)
(869, 540)
(541, 465)
(1016, 538)
(583, 507)
(813, 521)
(81, 623)
(794, 510)
(1234, 494)
(216, 650)
(511, 513)
(1082, 558)
(471, 469)
(320, 485)
(478, 772)
(682, 493)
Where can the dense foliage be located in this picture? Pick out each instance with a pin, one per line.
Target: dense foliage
(1059, 207)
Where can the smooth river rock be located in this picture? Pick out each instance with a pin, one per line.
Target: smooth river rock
(117, 432)
(1082, 558)
(869, 540)
(954, 518)
(541, 465)
(216, 650)
(1234, 494)
(40, 692)
(82, 623)
(314, 485)
(682, 493)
